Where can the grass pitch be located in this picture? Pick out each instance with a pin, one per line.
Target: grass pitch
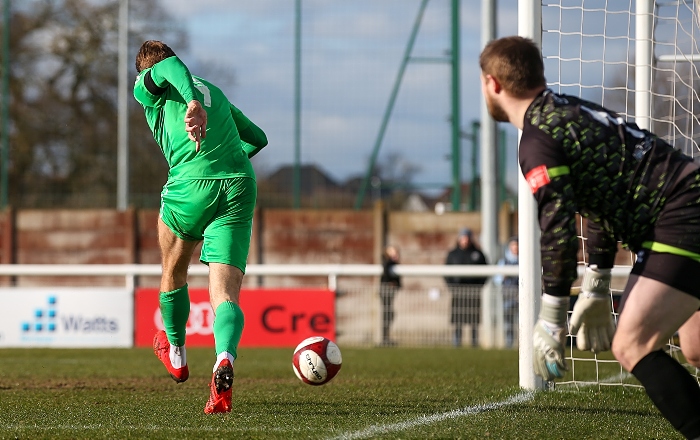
(389, 393)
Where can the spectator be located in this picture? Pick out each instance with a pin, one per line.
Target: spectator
(509, 289)
(389, 284)
(466, 291)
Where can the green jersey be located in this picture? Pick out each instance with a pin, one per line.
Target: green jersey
(164, 90)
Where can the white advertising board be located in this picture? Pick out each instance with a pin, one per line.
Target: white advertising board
(66, 317)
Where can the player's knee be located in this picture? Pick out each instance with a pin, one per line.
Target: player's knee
(177, 275)
(627, 351)
(624, 353)
(692, 355)
(694, 361)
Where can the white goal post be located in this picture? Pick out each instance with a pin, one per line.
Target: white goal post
(639, 58)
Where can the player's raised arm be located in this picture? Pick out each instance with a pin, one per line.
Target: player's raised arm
(172, 71)
(160, 69)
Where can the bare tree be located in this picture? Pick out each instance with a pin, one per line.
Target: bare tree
(397, 169)
(63, 77)
(393, 178)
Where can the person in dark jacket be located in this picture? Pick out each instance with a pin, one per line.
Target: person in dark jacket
(389, 284)
(466, 291)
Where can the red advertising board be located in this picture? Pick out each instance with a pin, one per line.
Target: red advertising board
(273, 317)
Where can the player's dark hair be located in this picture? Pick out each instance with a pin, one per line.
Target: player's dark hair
(516, 62)
(152, 52)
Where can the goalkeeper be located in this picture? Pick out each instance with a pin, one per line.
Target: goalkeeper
(209, 197)
(632, 187)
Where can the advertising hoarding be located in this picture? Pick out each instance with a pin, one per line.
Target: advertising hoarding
(273, 317)
(66, 317)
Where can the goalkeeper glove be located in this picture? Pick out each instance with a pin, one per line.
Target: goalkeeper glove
(549, 338)
(592, 319)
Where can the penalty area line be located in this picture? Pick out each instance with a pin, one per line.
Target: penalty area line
(374, 430)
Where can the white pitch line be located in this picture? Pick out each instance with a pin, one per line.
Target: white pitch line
(373, 430)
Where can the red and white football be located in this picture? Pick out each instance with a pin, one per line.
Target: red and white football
(316, 360)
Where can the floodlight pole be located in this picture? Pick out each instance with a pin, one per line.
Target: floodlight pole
(456, 113)
(488, 149)
(296, 184)
(492, 303)
(123, 109)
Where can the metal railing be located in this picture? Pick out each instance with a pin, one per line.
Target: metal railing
(332, 271)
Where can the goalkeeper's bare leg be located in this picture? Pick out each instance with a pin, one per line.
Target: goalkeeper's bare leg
(651, 312)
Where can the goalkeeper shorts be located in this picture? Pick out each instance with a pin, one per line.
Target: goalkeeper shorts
(671, 253)
(677, 271)
(218, 212)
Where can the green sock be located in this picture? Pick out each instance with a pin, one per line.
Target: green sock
(175, 309)
(228, 327)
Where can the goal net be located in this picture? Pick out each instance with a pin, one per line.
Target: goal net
(639, 58)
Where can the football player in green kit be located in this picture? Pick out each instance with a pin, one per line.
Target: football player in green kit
(209, 197)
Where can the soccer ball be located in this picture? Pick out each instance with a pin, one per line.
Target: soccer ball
(316, 360)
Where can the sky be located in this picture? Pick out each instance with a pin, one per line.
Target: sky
(351, 55)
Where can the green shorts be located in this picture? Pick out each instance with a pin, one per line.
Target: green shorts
(218, 212)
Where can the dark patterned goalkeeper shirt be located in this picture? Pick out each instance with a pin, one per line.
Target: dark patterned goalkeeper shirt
(580, 157)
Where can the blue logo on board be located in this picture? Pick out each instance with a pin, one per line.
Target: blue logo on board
(44, 320)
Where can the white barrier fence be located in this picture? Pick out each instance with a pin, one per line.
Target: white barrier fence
(421, 315)
(332, 271)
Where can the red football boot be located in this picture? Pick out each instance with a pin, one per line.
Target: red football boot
(161, 347)
(220, 395)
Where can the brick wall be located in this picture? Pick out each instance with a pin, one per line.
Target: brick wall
(279, 237)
